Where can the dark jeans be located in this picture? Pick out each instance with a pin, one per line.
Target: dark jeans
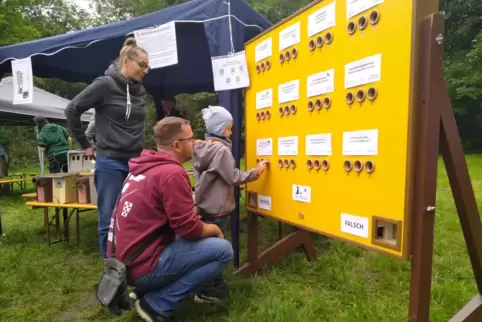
(221, 223)
(108, 177)
(59, 164)
(183, 267)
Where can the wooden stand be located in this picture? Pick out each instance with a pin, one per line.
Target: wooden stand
(436, 131)
(299, 239)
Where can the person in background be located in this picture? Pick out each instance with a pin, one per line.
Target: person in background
(5, 161)
(55, 141)
(118, 100)
(169, 106)
(216, 175)
(155, 218)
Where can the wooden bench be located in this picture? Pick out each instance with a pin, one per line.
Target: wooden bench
(22, 182)
(75, 209)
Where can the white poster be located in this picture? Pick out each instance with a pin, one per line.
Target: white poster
(288, 145)
(264, 98)
(160, 43)
(288, 92)
(264, 202)
(22, 81)
(363, 71)
(289, 36)
(321, 19)
(320, 83)
(230, 72)
(318, 144)
(354, 7)
(354, 225)
(360, 142)
(301, 193)
(264, 147)
(264, 49)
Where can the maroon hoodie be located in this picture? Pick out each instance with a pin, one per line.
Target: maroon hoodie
(156, 194)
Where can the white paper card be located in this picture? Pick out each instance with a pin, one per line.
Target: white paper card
(354, 7)
(363, 71)
(160, 43)
(230, 72)
(320, 83)
(264, 147)
(289, 36)
(288, 92)
(264, 202)
(360, 142)
(354, 225)
(264, 49)
(22, 76)
(288, 145)
(321, 19)
(301, 193)
(264, 98)
(318, 144)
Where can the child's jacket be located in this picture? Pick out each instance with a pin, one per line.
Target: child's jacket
(216, 174)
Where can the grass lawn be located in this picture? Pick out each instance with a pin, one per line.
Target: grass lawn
(347, 283)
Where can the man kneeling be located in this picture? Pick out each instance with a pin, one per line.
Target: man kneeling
(154, 206)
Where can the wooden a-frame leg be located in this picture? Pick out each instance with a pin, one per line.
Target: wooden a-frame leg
(298, 239)
(439, 130)
(465, 202)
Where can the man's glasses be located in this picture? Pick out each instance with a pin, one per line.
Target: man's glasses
(183, 139)
(186, 139)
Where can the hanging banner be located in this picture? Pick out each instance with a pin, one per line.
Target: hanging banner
(230, 72)
(160, 44)
(22, 81)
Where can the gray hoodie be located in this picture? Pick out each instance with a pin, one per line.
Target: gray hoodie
(119, 115)
(216, 174)
(90, 131)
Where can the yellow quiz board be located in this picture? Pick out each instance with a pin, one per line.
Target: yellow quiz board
(330, 106)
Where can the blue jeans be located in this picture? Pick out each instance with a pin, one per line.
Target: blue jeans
(183, 266)
(221, 223)
(109, 177)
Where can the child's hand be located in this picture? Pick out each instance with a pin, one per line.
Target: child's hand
(196, 213)
(262, 165)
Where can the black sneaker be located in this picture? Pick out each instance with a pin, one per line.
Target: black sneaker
(148, 314)
(134, 296)
(213, 294)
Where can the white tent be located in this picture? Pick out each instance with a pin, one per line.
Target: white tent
(44, 103)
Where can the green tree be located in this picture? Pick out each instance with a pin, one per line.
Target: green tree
(26, 20)
(109, 11)
(276, 10)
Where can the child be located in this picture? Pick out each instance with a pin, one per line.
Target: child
(216, 175)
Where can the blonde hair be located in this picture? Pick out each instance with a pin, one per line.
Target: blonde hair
(129, 49)
(168, 130)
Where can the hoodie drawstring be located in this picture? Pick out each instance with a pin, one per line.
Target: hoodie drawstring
(129, 104)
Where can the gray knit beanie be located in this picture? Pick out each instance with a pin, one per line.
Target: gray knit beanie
(216, 118)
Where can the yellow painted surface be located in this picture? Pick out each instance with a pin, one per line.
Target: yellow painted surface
(383, 193)
(31, 195)
(14, 180)
(34, 204)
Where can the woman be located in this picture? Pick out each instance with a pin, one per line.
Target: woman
(118, 100)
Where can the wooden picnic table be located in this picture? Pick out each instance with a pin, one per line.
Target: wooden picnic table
(30, 196)
(74, 208)
(22, 182)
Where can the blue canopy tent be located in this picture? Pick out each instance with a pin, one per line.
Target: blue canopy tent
(204, 28)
